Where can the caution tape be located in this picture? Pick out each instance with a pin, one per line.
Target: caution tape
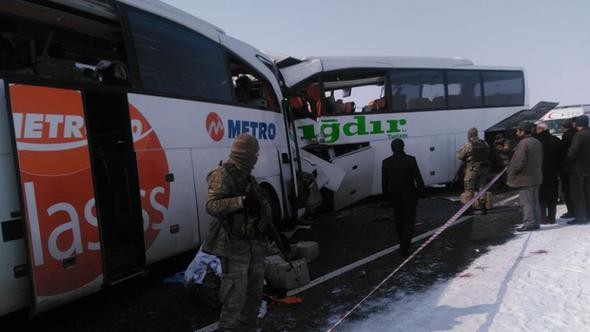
(441, 229)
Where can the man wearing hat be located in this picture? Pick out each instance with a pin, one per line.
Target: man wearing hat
(525, 173)
(578, 157)
(237, 235)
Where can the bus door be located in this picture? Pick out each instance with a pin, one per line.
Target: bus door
(116, 184)
(57, 193)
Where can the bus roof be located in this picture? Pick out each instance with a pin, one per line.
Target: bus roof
(294, 73)
(176, 15)
(104, 8)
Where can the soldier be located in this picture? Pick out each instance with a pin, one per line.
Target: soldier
(237, 236)
(475, 154)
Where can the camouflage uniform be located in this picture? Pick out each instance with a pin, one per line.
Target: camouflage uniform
(475, 154)
(238, 239)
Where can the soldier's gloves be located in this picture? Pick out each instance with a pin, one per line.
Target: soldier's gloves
(251, 203)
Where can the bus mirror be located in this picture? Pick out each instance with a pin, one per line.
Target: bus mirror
(346, 92)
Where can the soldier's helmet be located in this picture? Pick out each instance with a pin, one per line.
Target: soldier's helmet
(244, 151)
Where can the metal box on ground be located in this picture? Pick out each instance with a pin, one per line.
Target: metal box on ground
(285, 275)
(307, 249)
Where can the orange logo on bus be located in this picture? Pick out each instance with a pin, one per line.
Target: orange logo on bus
(58, 185)
(214, 126)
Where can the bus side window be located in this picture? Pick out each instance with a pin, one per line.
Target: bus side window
(503, 88)
(176, 60)
(250, 89)
(417, 89)
(464, 88)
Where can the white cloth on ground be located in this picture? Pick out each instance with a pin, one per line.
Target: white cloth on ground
(197, 269)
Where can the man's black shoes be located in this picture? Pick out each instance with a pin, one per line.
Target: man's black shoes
(527, 228)
(577, 222)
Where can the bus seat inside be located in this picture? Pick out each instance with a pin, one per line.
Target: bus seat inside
(438, 102)
(314, 92)
(399, 102)
(349, 107)
(420, 103)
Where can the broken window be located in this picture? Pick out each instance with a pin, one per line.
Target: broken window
(354, 92)
(54, 41)
(250, 88)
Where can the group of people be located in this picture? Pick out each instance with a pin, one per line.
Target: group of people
(537, 162)
(237, 236)
(534, 167)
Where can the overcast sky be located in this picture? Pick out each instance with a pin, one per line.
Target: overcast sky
(549, 38)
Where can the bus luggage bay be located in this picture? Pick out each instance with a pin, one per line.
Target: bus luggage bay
(111, 115)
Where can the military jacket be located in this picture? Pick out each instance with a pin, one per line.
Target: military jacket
(474, 151)
(232, 227)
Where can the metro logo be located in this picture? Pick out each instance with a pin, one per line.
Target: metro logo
(214, 126)
(258, 129)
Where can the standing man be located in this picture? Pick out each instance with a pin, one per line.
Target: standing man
(237, 236)
(566, 142)
(552, 156)
(476, 155)
(525, 173)
(578, 156)
(402, 184)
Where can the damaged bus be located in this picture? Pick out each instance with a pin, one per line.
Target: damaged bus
(112, 113)
(348, 109)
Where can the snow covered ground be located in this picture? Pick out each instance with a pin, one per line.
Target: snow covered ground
(538, 281)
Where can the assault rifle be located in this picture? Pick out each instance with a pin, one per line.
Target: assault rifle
(266, 223)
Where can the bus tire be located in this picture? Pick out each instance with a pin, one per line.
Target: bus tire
(269, 194)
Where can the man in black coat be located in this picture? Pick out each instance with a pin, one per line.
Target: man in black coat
(402, 185)
(552, 156)
(578, 157)
(566, 142)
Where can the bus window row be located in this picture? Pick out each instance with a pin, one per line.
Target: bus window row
(411, 90)
(160, 56)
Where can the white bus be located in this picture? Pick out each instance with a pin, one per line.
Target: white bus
(348, 109)
(112, 113)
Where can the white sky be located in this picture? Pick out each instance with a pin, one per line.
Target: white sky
(550, 39)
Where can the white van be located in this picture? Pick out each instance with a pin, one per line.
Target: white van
(555, 117)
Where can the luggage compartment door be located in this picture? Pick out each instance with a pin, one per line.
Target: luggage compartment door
(57, 192)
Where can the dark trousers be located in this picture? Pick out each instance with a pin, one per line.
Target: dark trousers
(580, 191)
(565, 189)
(548, 212)
(404, 216)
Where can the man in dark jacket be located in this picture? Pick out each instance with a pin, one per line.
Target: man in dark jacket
(402, 184)
(552, 156)
(566, 142)
(578, 157)
(525, 173)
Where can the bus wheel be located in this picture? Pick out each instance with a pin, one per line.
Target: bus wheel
(269, 194)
